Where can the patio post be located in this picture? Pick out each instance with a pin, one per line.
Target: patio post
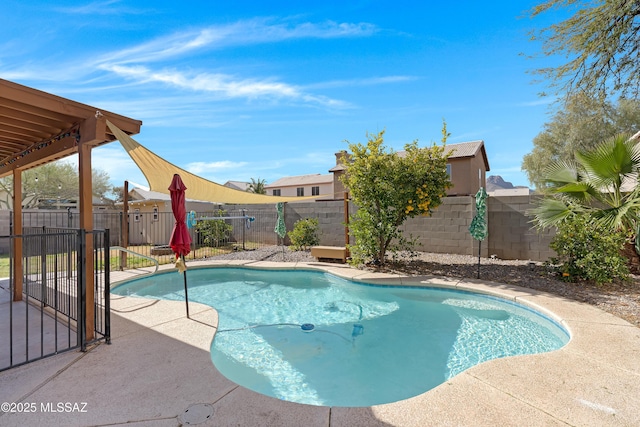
(17, 231)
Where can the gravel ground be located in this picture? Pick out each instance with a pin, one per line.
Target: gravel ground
(619, 299)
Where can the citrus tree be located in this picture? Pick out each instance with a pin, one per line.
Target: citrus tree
(388, 187)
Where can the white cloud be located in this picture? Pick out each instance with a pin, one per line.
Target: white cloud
(99, 8)
(372, 81)
(207, 168)
(114, 160)
(223, 85)
(247, 32)
(132, 68)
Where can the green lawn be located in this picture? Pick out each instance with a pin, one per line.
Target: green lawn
(4, 265)
(132, 260)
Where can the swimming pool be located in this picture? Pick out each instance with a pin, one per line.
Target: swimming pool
(311, 337)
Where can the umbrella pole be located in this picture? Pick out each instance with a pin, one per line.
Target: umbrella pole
(479, 245)
(186, 294)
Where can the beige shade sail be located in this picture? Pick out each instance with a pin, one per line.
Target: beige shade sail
(159, 174)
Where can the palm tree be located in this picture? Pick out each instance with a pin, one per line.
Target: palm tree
(601, 183)
(257, 186)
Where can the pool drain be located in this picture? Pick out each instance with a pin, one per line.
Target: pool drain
(196, 414)
(307, 327)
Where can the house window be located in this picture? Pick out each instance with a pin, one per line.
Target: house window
(155, 213)
(315, 191)
(136, 215)
(449, 170)
(276, 192)
(300, 191)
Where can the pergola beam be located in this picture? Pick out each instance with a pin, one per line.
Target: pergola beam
(60, 149)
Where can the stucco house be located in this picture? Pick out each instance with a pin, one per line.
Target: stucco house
(155, 226)
(467, 166)
(145, 201)
(302, 185)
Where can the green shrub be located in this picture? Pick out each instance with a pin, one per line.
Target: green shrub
(588, 251)
(305, 233)
(213, 232)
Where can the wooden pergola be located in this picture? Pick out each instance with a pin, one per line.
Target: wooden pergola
(36, 128)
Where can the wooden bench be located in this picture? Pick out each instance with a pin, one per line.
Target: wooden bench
(329, 252)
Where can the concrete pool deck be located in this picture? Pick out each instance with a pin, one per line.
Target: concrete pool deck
(158, 372)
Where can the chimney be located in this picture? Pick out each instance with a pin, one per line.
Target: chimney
(342, 157)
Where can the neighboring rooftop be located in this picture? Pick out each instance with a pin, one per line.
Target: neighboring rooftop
(496, 186)
(464, 150)
(299, 180)
(237, 185)
(152, 196)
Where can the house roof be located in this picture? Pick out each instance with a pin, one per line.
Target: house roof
(469, 149)
(99, 201)
(516, 191)
(465, 150)
(457, 151)
(293, 181)
(142, 194)
(152, 196)
(237, 185)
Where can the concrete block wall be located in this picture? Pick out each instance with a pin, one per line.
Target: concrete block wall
(446, 231)
(330, 215)
(511, 234)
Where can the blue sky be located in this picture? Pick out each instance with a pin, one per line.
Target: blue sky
(234, 90)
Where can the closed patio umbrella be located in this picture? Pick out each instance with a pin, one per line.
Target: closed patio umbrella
(478, 227)
(281, 227)
(180, 240)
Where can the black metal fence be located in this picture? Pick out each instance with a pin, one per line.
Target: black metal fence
(51, 317)
(148, 233)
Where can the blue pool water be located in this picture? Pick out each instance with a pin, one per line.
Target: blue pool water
(310, 337)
